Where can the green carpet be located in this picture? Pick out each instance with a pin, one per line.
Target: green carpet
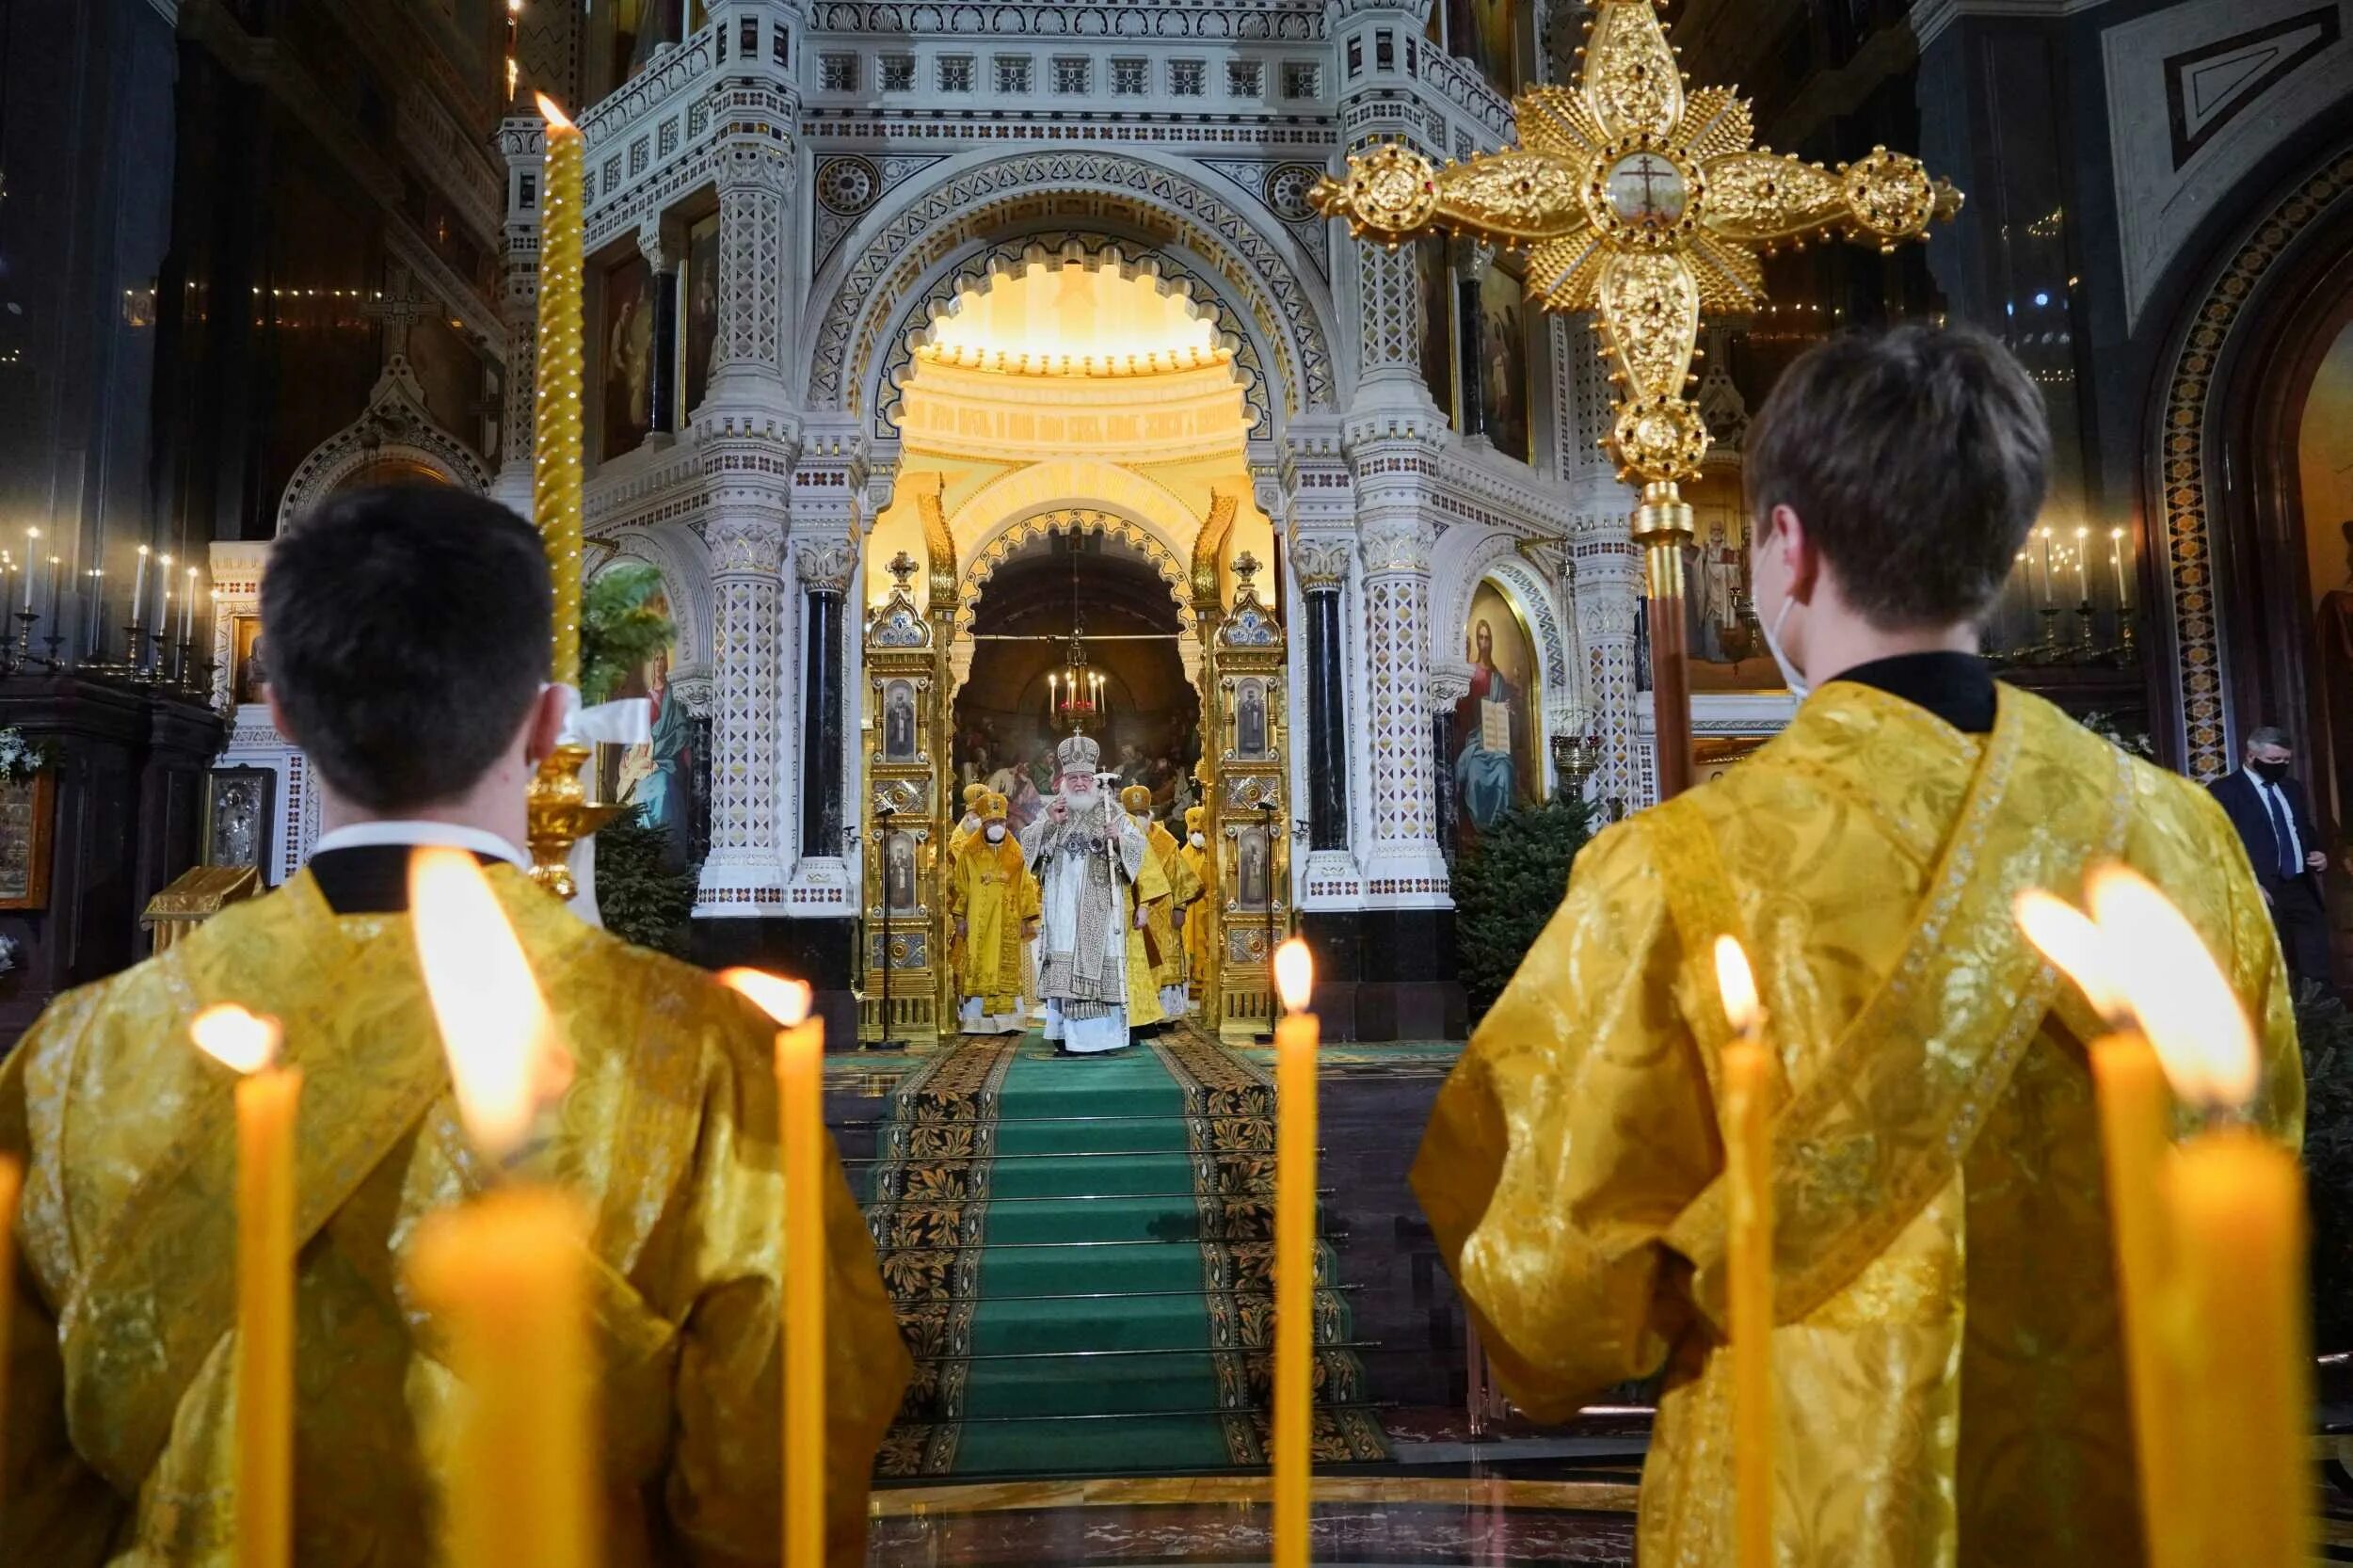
(1077, 1248)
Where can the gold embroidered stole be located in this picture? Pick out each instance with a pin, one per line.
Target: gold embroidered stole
(1888, 1113)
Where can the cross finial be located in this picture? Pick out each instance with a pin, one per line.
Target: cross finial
(1644, 201)
(902, 567)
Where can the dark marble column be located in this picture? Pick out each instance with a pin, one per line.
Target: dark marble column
(662, 393)
(820, 720)
(1327, 720)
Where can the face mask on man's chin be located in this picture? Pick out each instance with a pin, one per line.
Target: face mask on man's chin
(996, 832)
(1791, 675)
(1196, 840)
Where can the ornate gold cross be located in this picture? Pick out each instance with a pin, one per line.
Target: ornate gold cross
(1642, 200)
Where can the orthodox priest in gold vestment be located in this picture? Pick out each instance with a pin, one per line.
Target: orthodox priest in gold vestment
(1948, 1382)
(1161, 924)
(119, 1421)
(994, 900)
(1195, 855)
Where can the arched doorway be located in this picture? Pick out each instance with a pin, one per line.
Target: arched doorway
(1073, 465)
(1069, 612)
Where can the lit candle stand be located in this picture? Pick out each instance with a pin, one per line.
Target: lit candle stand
(801, 1137)
(268, 1097)
(1746, 1092)
(507, 1275)
(2210, 1241)
(1295, 1044)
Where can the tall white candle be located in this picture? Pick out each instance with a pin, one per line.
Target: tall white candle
(138, 586)
(2116, 564)
(187, 607)
(162, 598)
(32, 561)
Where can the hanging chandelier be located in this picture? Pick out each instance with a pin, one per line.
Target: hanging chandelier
(1075, 697)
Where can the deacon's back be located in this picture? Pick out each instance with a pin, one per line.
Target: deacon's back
(1947, 1354)
(120, 1441)
(1949, 1387)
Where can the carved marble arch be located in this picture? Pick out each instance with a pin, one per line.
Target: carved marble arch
(1170, 271)
(871, 295)
(685, 581)
(394, 440)
(1073, 520)
(1496, 559)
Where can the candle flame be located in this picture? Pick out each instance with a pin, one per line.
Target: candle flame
(1294, 974)
(2069, 939)
(785, 1000)
(494, 1022)
(557, 120)
(235, 1038)
(1737, 985)
(2185, 1004)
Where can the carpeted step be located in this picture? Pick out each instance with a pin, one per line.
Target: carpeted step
(1043, 1270)
(1137, 1443)
(1121, 1323)
(1086, 1386)
(1113, 1174)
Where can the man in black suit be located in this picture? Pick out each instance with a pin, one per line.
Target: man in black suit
(2274, 818)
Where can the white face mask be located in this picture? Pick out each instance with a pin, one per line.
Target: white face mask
(996, 832)
(1797, 682)
(1195, 839)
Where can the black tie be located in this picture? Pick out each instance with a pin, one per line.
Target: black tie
(2289, 870)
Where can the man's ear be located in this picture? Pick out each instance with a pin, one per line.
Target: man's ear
(1805, 562)
(544, 723)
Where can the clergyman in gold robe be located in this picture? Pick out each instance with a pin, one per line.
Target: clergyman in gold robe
(1165, 917)
(1948, 1381)
(408, 632)
(994, 900)
(1195, 855)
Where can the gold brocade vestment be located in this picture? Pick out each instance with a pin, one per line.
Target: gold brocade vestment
(1948, 1376)
(119, 1422)
(1168, 966)
(1196, 864)
(993, 897)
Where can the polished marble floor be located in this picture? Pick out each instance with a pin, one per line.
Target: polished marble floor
(1391, 1520)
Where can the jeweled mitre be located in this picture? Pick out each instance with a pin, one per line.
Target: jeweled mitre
(1078, 754)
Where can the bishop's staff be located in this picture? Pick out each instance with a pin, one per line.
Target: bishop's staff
(1640, 200)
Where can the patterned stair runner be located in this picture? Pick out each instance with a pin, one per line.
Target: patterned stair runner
(1077, 1248)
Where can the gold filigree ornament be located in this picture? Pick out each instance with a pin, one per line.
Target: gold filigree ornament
(1638, 196)
(1643, 200)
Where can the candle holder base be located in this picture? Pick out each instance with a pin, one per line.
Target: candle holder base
(560, 814)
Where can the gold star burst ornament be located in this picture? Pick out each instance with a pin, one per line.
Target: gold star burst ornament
(1645, 201)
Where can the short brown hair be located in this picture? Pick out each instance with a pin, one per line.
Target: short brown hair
(408, 634)
(1917, 458)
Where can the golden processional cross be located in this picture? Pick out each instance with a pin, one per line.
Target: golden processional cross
(1642, 200)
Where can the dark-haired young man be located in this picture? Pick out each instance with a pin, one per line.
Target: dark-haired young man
(408, 636)
(1947, 1373)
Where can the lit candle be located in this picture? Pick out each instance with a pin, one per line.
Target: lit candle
(506, 1274)
(2083, 566)
(163, 598)
(801, 1131)
(2116, 564)
(2135, 1115)
(267, 1096)
(556, 450)
(187, 608)
(11, 1186)
(1295, 1037)
(54, 565)
(32, 558)
(96, 608)
(138, 586)
(1746, 1083)
(2235, 1249)
(1054, 682)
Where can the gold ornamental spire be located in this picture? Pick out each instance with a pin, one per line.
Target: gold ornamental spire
(1642, 200)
